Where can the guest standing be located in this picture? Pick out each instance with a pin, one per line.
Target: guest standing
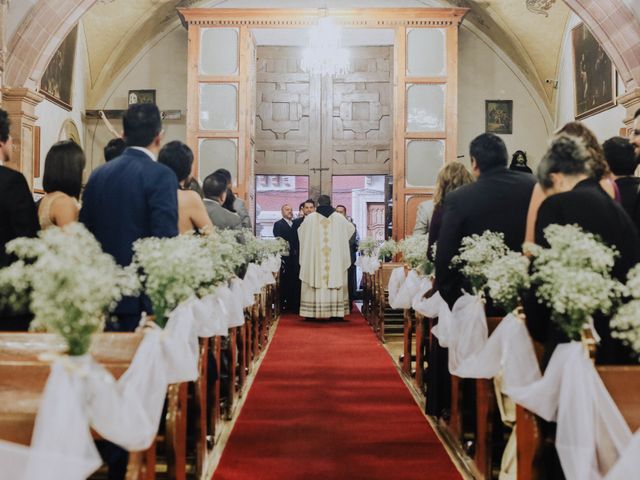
(324, 262)
(497, 201)
(290, 269)
(18, 217)
(233, 203)
(424, 217)
(452, 176)
(132, 197)
(114, 149)
(215, 193)
(62, 183)
(575, 197)
(622, 160)
(519, 162)
(192, 215)
(353, 250)
(597, 165)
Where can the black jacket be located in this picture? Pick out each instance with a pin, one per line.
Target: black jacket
(281, 229)
(18, 216)
(591, 208)
(499, 202)
(630, 197)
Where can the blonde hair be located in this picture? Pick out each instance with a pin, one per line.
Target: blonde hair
(451, 176)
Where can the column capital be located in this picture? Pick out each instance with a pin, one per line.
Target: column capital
(631, 101)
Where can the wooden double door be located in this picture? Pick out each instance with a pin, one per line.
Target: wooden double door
(323, 126)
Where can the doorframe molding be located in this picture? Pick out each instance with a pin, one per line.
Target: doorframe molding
(400, 19)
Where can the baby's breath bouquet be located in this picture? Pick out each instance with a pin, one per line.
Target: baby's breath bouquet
(229, 245)
(507, 278)
(69, 284)
(387, 250)
(368, 246)
(476, 253)
(414, 251)
(174, 269)
(573, 277)
(625, 325)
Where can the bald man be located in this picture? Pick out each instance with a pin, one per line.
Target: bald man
(283, 228)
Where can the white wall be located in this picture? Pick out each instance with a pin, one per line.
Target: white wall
(485, 73)
(605, 124)
(161, 66)
(51, 116)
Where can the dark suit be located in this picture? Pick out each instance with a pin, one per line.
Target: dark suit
(630, 197)
(497, 201)
(290, 269)
(588, 206)
(129, 198)
(18, 218)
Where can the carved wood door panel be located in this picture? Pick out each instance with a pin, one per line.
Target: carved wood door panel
(323, 126)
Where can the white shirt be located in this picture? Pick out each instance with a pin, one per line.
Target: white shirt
(149, 153)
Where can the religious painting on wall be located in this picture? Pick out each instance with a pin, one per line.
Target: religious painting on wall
(57, 81)
(142, 96)
(594, 75)
(499, 116)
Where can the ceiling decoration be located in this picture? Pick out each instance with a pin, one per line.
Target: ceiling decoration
(540, 6)
(325, 55)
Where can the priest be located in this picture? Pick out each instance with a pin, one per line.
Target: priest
(324, 261)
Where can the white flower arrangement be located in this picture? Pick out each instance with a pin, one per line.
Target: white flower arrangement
(174, 269)
(415, 249)
(67, 282)
(476, 253)
(368, 247)
(387, 249)
(625, 325)
(574, 283)
(507, 278)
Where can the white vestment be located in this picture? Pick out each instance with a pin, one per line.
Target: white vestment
(325, 259)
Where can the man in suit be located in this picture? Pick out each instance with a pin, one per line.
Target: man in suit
(353, 250)
(622, 160)
(18, 217)
(497, 201)
(132, 197)
(214, 188)
(634, 137)
(423, 218)
(289, 270)
(233, 203)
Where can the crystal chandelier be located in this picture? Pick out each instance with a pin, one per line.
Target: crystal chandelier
(325, 55)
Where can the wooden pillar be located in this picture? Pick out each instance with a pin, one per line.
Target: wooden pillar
(20, 104)
(630, 101)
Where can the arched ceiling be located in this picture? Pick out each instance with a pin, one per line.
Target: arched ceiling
(117, 30)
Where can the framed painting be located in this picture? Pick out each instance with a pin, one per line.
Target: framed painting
(57, 81)
(498, 116)
(594, 75)
(142, 96)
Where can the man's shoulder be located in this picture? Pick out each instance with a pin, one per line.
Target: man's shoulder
(9, 175)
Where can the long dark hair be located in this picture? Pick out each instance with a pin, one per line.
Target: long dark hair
(63, 168)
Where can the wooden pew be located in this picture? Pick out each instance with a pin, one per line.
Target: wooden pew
(382, 295)
(23, 376)
(623, 384)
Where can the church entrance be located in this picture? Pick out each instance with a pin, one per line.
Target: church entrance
(321, 126)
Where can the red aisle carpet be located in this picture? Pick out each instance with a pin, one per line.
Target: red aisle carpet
(328, 403)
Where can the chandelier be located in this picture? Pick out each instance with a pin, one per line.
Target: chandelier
(325, 55)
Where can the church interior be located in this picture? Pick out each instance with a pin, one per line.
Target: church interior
(368, 105)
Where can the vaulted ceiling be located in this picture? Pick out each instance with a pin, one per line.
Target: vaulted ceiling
(117, 30)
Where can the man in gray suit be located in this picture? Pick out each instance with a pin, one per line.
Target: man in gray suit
(215, 193)
(233, 203)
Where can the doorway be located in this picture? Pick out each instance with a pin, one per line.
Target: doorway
(274, 191)
(322, 126)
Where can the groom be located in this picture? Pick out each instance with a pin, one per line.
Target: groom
(325, 259)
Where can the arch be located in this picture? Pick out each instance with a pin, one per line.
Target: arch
(37, 39)
(618, 30)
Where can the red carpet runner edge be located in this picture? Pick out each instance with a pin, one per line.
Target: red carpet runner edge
(328, 403)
